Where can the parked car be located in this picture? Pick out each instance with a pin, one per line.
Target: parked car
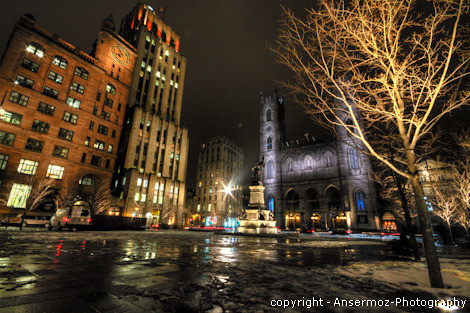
(78, 216)
(37, 219)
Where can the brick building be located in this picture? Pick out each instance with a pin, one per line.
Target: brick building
(63, 111)
(150, 176)
(219, 196)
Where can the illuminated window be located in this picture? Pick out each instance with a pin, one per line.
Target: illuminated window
(27, 167)
(3, 161)
(66, 134)
(69, 117)
(209, 207)
(46, 108)
(18, 98)
(25, 82)
(7, 138)
(99, 144)
(111, 89)
(359, 198)
(137, 196)
(60, 62)
(139, 182)
(36, 49)
(55, 77)
(81, 72)
(110, 149)
(74, 102)
(146, 183)
(143, 197)
(271, 204)
(18, 195)
(40, 127)
(199, 208)
(13, 118)
(60, 152)
(55, 171)
(87, 181)
(77, 87)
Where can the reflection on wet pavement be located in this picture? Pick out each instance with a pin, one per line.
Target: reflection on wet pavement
(164, 271)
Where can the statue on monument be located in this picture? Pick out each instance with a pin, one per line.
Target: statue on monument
(257, 170)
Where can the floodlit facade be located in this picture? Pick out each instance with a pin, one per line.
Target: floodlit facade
(219, 196)
(62, 113)
(151, 171)
(314, 184)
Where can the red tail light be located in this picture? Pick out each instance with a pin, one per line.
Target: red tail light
(88, 220)
(66, 219)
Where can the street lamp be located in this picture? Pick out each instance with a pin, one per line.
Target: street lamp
(228, 191)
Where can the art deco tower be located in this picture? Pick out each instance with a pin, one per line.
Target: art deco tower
(150, 176)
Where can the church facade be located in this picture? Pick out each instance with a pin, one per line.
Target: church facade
(310, 184)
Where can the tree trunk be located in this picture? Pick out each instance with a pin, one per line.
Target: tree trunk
(434, 268)
(22, 219)
(409, 223)
(449, 227)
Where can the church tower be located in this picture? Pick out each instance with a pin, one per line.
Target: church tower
(272, 134)
(358, 190)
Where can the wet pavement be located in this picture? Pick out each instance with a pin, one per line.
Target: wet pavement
(176, 271)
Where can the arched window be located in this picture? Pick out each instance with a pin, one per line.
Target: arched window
(353, 159)
(271, 204)
(350, 125)
(290, 166)
(270, 169)
(81, 72)
(111, 89)
(269, 144)
(87, 181)
(268, 115)
(36, 49)
(60, 62)
(329, 160)
(359, 199)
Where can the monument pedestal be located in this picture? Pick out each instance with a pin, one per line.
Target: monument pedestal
(256, 219)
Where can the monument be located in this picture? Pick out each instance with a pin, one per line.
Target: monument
(256, 219)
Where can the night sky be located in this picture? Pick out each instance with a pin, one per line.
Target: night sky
(226, 43)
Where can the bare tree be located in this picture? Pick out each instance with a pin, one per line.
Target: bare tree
(35, 191)
(101, 198)
(395, 65)
(446, 207)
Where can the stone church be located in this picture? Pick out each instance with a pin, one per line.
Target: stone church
(313, 184)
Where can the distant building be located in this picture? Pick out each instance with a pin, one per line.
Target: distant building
(314, 184)
(435, 176)
(219, 195)
(151, 171)
(63, 112)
